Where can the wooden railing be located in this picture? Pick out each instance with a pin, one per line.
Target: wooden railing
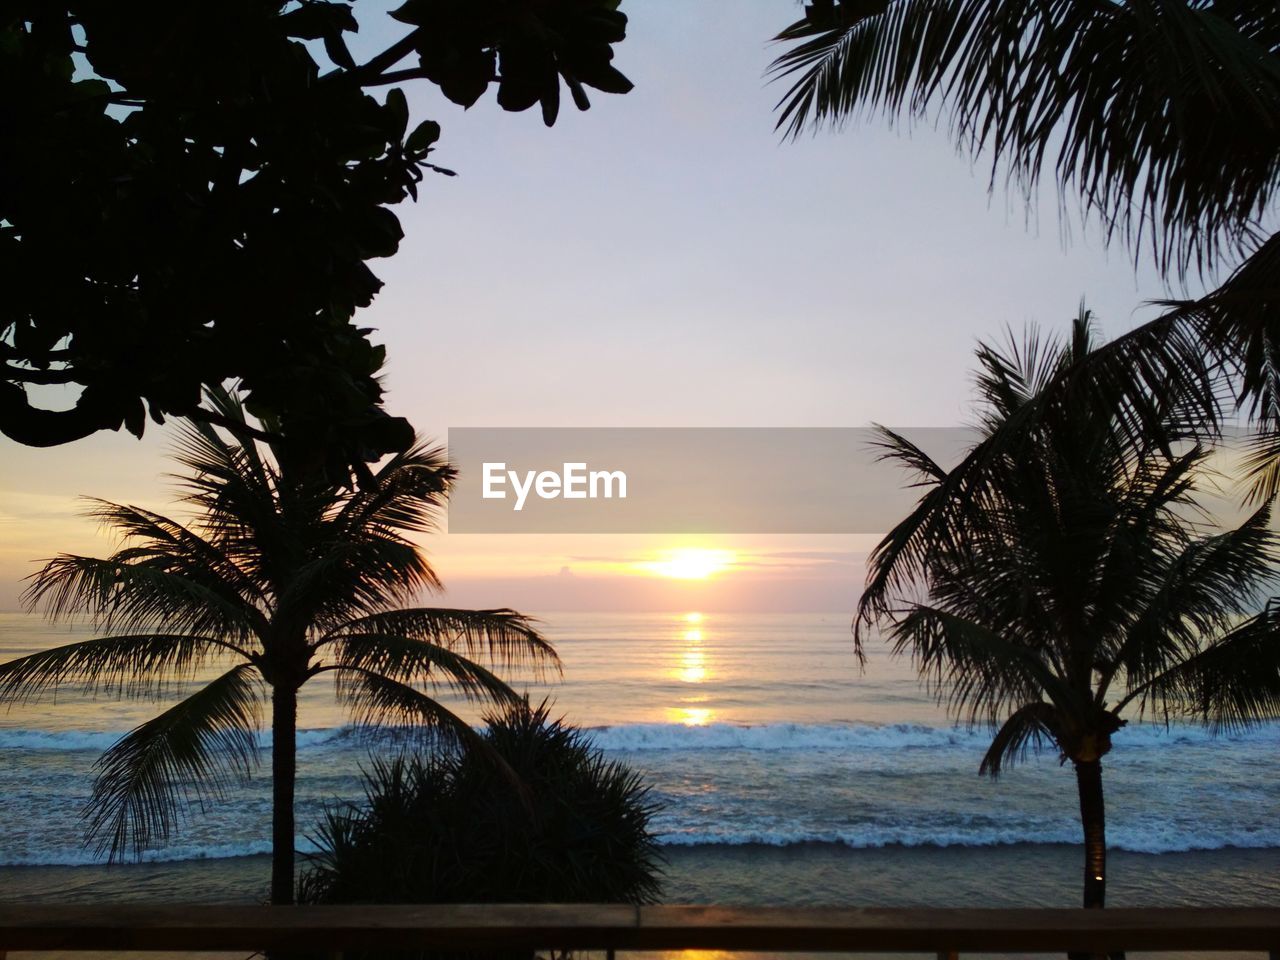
(332, 929)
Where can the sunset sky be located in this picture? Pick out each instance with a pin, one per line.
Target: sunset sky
(664, 260)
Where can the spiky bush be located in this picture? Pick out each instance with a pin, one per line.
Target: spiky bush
(538, 815)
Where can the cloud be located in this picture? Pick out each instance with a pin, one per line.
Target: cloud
(745, 559)
(552, 593)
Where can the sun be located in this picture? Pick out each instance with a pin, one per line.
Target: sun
(689, 563)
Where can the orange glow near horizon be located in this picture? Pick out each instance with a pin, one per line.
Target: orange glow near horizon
(689, 563)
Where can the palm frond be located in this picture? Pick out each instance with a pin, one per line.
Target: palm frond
(976, 671)
(421, 663)
(407, 493)
(503, 637)
(833, 42)
(1030, 727)
(136, 589)
(1201, 593)
(1262, 464)
(1163, 117)
(233, 486)
(891, 446)
(245, 504)
(361, 560)
(180, 550)
(194, 749)
(1013, 375)
(1239, 324)
(1232, 683)
(214, 463)
(376, 700)
(142, 665)
(348, 577)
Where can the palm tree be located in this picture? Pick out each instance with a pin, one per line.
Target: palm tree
(280, 579)
(1076, 587)
(1162, 116)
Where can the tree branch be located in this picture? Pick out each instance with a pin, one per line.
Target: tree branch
(39, 376)
(237, 426)
(366, 73)
(396, 76)
(34, 427)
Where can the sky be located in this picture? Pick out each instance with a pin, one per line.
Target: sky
(664, 259)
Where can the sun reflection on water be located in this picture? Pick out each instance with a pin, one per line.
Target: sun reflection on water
(691, 716)
(692, 666)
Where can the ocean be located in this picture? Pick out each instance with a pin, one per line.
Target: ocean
(786, 775)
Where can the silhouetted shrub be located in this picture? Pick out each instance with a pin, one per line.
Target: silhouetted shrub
(459, 828)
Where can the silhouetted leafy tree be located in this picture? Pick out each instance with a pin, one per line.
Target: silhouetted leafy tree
(1075, 585)
(190, 193)
(282, 578)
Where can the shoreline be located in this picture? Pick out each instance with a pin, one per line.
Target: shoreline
(1010, 875)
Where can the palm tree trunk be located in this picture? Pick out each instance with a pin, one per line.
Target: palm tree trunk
(1093, 820)
(284, 743)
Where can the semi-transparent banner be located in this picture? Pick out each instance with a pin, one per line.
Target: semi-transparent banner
(723, 480)
(684, 480)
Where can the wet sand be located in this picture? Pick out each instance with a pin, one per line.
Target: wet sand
(1012, 876)
(1018, 875)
